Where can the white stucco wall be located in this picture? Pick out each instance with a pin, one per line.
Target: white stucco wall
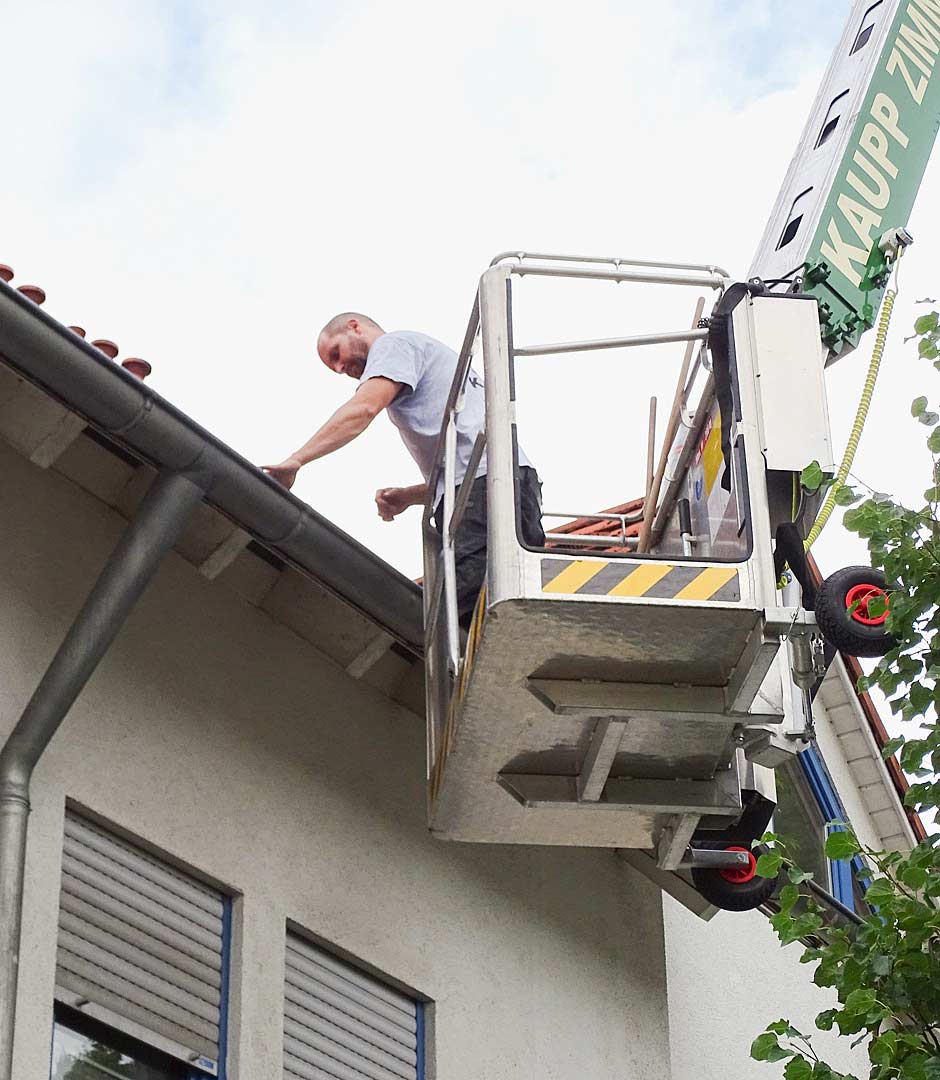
(218, 736)
(729, 978)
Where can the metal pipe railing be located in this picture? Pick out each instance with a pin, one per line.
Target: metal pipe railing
(709, 280)
(589, 540)
(434, 591)
(466, 484)
(665, 338)
(699, 275)
(450, 569)
(460, 377)
(582, 540)
(624, 519)
(604, 259)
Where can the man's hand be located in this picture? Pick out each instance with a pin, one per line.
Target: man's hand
(392, 500)
(286, 472)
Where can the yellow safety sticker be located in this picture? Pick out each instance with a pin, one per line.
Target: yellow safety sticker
(656, 580)
(640, 580)
(707, 583)
(573, 577)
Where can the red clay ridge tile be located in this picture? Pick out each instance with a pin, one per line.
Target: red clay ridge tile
(136, 366)
(6, 272)
(107, 347)
(33, 292)
(80, 330)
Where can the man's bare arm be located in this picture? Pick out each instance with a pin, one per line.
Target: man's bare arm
(392, 501)
(349, 420)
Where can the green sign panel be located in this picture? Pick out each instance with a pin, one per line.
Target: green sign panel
(878, 177)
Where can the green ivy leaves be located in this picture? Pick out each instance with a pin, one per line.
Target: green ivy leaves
(769, 864)
(927, 327)
(798, 1068)
(920, 412)
(885, 972)
(782, 1042)
(841, 845)
(812, 477)
(767, 1047)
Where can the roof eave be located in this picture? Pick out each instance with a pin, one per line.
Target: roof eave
(52, 357)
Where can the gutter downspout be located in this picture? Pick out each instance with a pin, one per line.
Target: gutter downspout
(151, 535)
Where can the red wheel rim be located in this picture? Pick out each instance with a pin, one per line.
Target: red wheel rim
(738, 875)
(861, 596)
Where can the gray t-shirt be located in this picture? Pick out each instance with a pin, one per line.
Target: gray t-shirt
(426, 368)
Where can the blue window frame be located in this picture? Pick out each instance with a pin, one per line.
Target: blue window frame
(421, 1036)
(224, 980)
(827, 798)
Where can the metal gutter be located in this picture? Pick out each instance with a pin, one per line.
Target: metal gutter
(49, 355)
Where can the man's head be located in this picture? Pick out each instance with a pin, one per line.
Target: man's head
(344, 342)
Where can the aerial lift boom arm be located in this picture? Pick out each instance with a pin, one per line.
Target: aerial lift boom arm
(858, 166)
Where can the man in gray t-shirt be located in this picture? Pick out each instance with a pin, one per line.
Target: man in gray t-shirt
(410, 375)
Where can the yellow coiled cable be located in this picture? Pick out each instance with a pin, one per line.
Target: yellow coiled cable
(861, 413)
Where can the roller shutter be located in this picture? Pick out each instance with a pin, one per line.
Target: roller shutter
(341, 1024)
(140, 940)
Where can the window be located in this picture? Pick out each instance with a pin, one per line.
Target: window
(340, 1021)
(85, 1050)
(142, 949)
(833, 116)
(830, 805)
(806, 802)
(794, 218)
(798, 818)
(865, 30)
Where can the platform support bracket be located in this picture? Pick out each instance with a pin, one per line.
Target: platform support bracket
(605, 742)
(673, 842)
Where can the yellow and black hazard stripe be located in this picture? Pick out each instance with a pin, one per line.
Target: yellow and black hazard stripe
(656, 580)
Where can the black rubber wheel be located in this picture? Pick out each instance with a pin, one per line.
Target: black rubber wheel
(734, 889)
(857, 632)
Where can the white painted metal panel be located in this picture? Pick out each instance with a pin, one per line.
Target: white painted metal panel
(791, 383)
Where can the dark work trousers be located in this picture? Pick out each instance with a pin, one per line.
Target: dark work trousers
(470, 546)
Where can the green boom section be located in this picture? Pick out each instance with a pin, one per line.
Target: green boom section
(878, 177)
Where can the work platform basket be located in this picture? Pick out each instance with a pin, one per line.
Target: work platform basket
(610, 691)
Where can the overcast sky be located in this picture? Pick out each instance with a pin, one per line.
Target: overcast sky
(206, 183)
